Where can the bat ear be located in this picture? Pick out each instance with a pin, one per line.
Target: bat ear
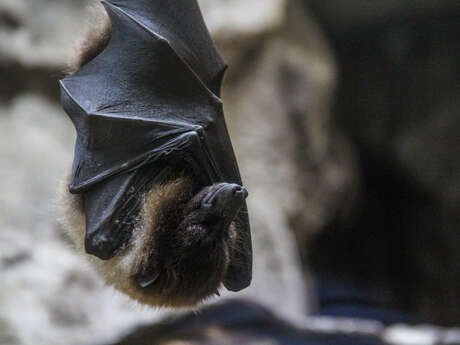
(239, 271)
(238, 276)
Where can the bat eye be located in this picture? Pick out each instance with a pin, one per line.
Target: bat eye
(212, 195)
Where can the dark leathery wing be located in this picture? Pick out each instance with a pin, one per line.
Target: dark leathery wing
(151, 97)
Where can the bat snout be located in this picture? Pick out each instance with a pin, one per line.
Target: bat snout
(222, 194)
(240, 191)
(224, 200)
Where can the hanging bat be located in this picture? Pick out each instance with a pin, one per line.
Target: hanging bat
(155, 191)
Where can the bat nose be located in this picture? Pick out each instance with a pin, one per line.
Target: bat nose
(240, 190)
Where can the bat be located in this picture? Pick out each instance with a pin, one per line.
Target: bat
(156, 197)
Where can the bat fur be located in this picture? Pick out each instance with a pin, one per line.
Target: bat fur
(161, 238)
(93, 42)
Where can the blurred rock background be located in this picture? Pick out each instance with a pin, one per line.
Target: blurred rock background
(344, 118)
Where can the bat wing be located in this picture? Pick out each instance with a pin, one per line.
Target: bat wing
(151, 95)
(181, 24)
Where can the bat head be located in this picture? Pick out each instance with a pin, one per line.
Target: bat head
(186, 245)
(219, 203)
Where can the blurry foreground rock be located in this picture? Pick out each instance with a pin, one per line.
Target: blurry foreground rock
(237, 322)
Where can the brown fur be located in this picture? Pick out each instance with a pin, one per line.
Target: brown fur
(93, 42)
(183, 285)
(178, 285)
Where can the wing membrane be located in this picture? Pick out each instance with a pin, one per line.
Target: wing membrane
(181, 24)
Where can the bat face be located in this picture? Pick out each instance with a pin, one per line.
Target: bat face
(186, 245)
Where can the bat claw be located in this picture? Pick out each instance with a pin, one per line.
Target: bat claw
(148, 280)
